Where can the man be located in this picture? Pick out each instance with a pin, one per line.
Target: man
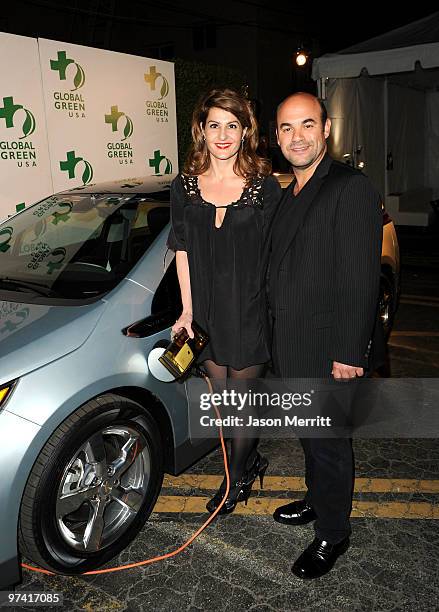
(323, 286)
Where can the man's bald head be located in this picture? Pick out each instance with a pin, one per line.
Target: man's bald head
(304, 95)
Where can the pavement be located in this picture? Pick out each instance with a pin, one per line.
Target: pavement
(242, 561)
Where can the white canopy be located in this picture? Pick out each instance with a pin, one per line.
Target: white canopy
(339, 66)
(383, 99)
(395, 51)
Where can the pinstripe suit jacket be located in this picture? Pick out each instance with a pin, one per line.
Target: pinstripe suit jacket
(324, 272)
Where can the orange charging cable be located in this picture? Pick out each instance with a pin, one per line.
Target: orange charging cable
(183, 546)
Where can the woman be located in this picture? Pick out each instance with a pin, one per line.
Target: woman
(221, 209)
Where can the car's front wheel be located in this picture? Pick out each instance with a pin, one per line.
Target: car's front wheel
(387, 303)
(92, 487)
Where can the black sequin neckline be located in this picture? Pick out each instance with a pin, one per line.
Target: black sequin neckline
(234, 203)
(251, 194)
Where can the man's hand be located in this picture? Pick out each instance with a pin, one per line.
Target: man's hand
(341, 370)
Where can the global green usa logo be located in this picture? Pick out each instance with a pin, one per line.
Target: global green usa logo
(113, 119)
(120, 150)
(21, 120)
(71, 163)
(156, 80)
(160, 163)
(158, 107)
(16, 115)
(60, 65)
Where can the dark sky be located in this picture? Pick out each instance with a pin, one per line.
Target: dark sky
(342, 27)
(333, 26)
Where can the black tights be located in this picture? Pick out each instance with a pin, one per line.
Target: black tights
(243, 449)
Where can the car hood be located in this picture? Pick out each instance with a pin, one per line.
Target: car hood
(32, 335)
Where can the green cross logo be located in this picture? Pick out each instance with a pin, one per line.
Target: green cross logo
(69, 165)
(156, 160)
(151, 79)
(21, 316)
(60, 66)
(62, 216)
(114, 117)
(7, 112)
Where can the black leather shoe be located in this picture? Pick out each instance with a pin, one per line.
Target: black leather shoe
(319, 558)
(295, 513)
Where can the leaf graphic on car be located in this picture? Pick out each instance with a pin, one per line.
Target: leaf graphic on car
(4, 244)
(56, 265)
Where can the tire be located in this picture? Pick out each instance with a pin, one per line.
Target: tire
(387, 304)
(92, 487)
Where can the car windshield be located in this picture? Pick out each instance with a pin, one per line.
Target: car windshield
(78, 246)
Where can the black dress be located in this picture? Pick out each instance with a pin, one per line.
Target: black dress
(225, 266)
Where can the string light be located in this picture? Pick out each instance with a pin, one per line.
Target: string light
(301, 58)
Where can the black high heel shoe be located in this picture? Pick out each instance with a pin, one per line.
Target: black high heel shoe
(240, 490)
(258, 468)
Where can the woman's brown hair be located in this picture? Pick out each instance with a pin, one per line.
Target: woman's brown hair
(248, 163)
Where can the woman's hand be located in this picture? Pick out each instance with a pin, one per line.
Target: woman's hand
(185, 321)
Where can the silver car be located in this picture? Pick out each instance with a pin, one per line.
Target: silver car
(86, 432)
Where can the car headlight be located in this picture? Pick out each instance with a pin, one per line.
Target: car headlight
(5, 392)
